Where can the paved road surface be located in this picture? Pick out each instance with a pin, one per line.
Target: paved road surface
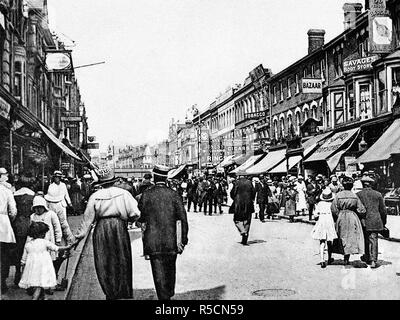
(282, 261)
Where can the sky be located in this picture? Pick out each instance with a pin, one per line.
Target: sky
(163, 56)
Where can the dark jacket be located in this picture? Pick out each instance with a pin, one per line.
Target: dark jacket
(161, 207)
(243, 195)
(375, 219)
(191, 189)
(144, 185)
(23, 219)
(313, 193)
(263, 192)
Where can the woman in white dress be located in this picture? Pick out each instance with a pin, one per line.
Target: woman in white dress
(38, 270)
(324, 230)
(301, 202)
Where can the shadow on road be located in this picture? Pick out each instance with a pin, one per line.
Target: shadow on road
(207, 294)
(360, 264)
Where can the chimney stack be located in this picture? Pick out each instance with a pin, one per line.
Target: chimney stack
(316, 39)
(351, 12)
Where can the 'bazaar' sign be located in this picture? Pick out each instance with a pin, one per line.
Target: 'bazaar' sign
(358, 65)
(312, 86)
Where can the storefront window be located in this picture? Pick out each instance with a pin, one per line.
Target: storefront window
(396, 87)
(338, 107)
(365, 102)
(382, 101)
(351, 106)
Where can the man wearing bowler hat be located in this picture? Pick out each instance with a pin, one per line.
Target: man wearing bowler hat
(375, 219)
(165, 226)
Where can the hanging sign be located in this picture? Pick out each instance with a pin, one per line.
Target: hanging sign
(58, 61)
(5, 108)
(312, 86)
(380, 28)
(358, 65)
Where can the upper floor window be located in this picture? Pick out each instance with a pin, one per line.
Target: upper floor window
(274, 94)
(282, 123)
(297, 83)
(323, 70)
(305, 73)
(363, 47)
(18, 79)
(289, 84)
(338, 63)
(281, 90)
(313, 71)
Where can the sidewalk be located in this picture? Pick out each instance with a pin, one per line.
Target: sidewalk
(393, 224)
(16, 293)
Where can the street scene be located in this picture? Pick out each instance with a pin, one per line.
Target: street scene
(178, 156)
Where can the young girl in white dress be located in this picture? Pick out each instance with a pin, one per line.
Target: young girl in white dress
(324, 229)
(38, 270)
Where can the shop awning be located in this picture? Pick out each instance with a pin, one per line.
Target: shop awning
(268, 162)
(227, 161)
(59, 144)
(175, 172)
(282, 168)
(251, 161)
(311, 144)
(387, 144)
(330, 150)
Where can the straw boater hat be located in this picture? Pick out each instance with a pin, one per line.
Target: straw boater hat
(3, 171)
(57, 173)
(105, 175)
(327, 195)
(367, 179)
(161, 171)
(39, 202)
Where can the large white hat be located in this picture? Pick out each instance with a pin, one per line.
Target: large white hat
(3, 171)
(39, 202)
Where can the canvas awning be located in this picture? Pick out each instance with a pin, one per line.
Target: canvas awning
(282, 167)
(268, 162)
(227, 161)
(311, 144)
(59, 144)
(251, 161)
(331, 151)
(387, 144)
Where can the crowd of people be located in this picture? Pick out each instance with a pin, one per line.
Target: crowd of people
(349, 211)
(36, 238)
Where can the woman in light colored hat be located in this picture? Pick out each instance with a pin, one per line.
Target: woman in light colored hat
(112, 208)
(301, 202)
(324, 230)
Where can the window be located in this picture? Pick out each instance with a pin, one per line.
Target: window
(298, 122)
(289, 91)
(290, 125)
(312, 71)
(276, 129)
(281, 90)
(18, 79)
(339, 107)
(365, 101)
(282, 124)
(363, 46)
(382, 90)
(396, 87)
(323, 70)
(351, 102)
(305, 73)
(338, 63)
(297, 84)
(274, 95)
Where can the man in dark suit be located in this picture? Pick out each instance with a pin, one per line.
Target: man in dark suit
(191, 190)
(375, 219)
(219, 192)
(146, 183)
(165, 231)
(263, 192)
(243, 195)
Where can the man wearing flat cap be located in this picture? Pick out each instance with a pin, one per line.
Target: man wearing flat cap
(375, 219)
(165, 231)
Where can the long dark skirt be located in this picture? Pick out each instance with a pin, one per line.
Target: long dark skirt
(113, 258)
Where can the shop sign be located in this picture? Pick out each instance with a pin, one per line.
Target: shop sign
(58, 61)
(350, 164)
(93, 146)
(312, 86)
(358, 65)
(71, 119)
(380, 28)
(5, 108)
(65, 166)
(255, 115)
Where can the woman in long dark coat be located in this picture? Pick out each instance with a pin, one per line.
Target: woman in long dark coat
(243, 195)
(24, 200)
(347, 210)
(290, 199)
(111, 207)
